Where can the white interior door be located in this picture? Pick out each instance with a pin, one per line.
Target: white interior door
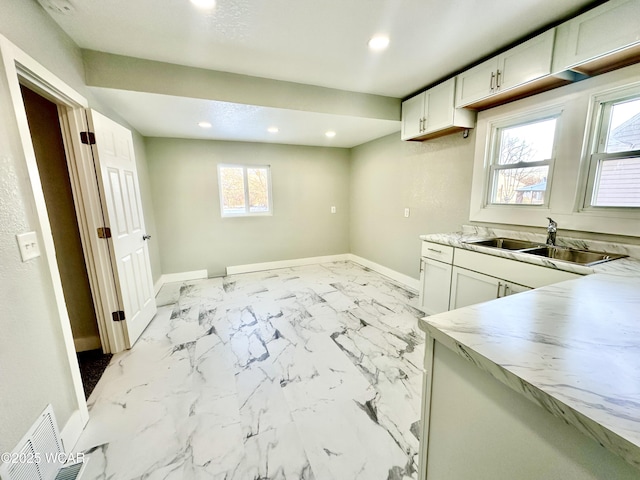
(114, 157)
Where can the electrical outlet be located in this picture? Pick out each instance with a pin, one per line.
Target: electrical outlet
(333, 209)
(406, 212)
(28, 243)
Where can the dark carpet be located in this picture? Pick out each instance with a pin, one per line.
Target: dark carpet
(92, 365)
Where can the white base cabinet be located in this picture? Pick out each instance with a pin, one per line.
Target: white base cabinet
(453, 278)
(475, 427)
(435, 279)
(469, 288)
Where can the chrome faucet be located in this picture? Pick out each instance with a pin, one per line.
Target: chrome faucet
(552, 228)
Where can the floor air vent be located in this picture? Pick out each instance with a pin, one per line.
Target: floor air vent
(40, 455)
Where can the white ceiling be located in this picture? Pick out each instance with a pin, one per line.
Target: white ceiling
(154, 115)
(315, 42)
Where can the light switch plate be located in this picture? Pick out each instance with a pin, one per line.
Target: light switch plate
(28, 243)
(333, 209)
(406, 212)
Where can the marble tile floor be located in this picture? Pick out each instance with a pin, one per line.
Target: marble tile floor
(311, 372)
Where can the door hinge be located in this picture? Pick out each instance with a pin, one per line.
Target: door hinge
(118, 316)
(104, 232)
(88, 138)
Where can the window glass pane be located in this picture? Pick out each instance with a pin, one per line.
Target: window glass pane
(618, 183)
(232, 190)
(520, 186)
(624, 127)
(532, 142)
(258, 189)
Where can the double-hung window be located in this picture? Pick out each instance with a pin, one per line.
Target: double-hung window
(245, 190)
(614, 164)
(521, 160)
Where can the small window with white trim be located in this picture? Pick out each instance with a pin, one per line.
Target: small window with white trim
(245, 190)
(521, 160)
(614, 163)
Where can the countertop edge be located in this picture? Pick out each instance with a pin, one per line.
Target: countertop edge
(589, 427)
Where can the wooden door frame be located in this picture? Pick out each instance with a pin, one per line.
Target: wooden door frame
(19, 69)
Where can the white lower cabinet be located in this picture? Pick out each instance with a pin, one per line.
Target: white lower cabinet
(452, 278)
(469, 287)
(435, 279)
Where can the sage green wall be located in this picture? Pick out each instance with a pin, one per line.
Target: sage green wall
(147, 204)
(306, 182)
(432, 178)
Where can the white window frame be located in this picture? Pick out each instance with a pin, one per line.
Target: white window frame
(246, 212)
(493, 153)
(599, 121)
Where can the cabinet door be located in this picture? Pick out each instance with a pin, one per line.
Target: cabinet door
(605, 29)
(435, 281)
(476, 83)
(412, 115)
(438, 108)
(513, 288)
(526, 62)
(469, 288)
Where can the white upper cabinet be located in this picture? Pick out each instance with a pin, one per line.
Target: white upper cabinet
(413, 116)
(432, 113)
(601, 39)
(528, 61)
(510, 74)
(476, 83)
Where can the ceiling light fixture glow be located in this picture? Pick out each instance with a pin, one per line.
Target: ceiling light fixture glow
(379, 42)
(204, 4)
(330, 134)
(273, 130)
(204, 125)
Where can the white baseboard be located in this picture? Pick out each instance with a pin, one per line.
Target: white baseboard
(157, 286)
(72, 430)
(298, 262)
(179, 277)
(83, 344)
(405, 280)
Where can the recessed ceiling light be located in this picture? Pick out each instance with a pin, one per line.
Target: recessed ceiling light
(273, 130)
(204, 125)
(379, 42)
(204, 4)
(330, 134)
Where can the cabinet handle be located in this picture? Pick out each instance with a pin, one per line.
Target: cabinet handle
(493, 76)
(498, 291)
(424, 124)
(498, 79)
(420, 128)
(434, 250)
(506, 290)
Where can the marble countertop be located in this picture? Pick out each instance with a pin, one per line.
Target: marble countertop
(622, 266)
(573, 348)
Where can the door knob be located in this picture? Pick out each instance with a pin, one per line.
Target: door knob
(146, 237)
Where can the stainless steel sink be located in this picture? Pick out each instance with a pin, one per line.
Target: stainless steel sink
(563, 254)
(581, 257)
(505, 243)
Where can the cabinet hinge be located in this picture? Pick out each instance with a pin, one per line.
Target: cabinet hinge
(88, 138)
(118, 316)
(104, 232)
